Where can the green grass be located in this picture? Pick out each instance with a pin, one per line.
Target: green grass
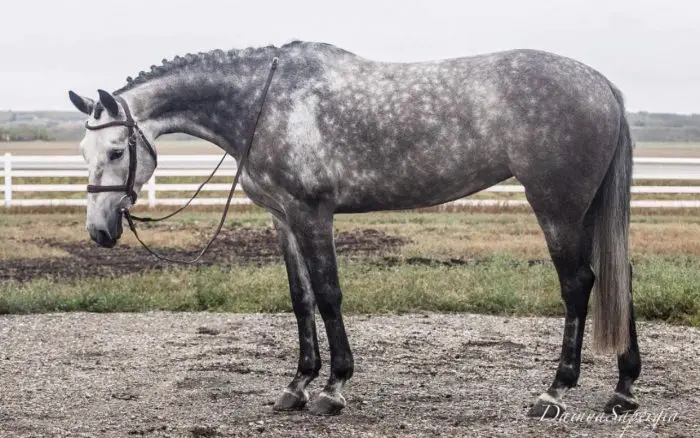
(666, 288)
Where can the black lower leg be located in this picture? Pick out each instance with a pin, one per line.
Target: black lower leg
(316, 242)
(329, 299)
(629, 363)
(576, 291)
(303, 303)
(342, 364)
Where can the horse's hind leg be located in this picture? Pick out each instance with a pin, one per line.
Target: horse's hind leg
(630, 365)
(295, 395)
(570, 245)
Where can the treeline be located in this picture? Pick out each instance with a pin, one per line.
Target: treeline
(665, 127)
(24, 133)
(68, 126)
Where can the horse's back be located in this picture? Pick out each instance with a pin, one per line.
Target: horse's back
(399, 135)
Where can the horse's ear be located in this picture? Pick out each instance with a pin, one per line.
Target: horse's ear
(83, 104)
(108, 101)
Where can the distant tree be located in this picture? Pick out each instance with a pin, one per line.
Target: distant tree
(24, 133)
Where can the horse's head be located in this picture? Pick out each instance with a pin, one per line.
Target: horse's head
(120, 159)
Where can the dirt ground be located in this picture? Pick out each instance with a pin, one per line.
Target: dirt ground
(233, 246)
(210, 375)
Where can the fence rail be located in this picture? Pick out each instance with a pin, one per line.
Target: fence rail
(201, 165)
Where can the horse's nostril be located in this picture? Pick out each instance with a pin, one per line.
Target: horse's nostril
(103, 238)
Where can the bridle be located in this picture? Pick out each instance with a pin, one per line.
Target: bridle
(134, 132)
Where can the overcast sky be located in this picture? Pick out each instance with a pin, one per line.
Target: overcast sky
(650, 49)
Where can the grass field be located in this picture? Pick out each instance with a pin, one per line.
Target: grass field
(476, 262)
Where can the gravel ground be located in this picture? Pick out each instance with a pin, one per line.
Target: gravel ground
(206, 375)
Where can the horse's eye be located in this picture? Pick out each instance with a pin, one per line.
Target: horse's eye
(115, 154)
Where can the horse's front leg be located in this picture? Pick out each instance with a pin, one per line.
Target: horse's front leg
(313, 228)
(295, 395)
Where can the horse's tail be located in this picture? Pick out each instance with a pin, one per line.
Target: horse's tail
(611, 209)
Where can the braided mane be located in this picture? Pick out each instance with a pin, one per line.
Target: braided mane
(209, 59)
(212, 60)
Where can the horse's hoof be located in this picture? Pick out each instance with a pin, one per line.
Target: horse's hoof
(327, 404)
(291, 401)
(546, 408)
(621, 404)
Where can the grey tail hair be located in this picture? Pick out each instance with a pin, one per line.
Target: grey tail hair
(612, 298)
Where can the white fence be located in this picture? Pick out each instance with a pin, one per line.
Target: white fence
(202, 165)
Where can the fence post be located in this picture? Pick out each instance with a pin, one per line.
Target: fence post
(152, 191)
(8, 180)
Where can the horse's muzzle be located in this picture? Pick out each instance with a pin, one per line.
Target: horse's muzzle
(103, 238)
(106, 236)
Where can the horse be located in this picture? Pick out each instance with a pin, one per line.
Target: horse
(344, 134)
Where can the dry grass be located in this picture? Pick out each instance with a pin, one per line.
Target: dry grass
(667, 149)
(458, 234)
(666, 182)
(163, 237)
(165, 147)
(675, 237)
(465, 235)
(22, 234)
(25, 228)
(16, 249)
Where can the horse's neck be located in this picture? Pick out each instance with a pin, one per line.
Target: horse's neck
(213, 108)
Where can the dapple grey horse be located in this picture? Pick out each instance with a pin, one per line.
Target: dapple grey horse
(344, 134)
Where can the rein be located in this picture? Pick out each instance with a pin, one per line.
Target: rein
(128, 187)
